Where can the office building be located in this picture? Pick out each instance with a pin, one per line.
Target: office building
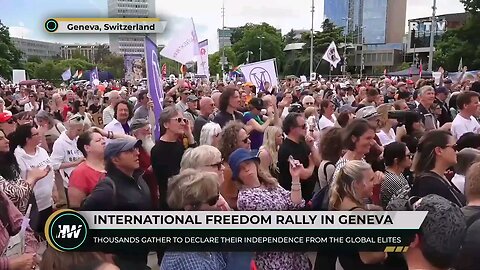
(88, 51)
(224, 36)
(42, 49)
(130, 43)
(376, 27)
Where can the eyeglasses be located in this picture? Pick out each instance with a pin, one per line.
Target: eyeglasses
(309, 103)
(303, 127)
(453, 146)
(35, 134)
(218, 165)
(77, 118)
(11, 121)
(169, 101)
(246, 139)
(180, 119)
(211, 202)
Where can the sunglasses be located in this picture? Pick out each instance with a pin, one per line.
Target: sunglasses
(218, 165)
(77, 118)
(211, 202)
(453, 146)
(246, 139)
(309, 103)
(180, 119)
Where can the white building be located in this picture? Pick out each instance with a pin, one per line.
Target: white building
(130, 43)
(42, 49)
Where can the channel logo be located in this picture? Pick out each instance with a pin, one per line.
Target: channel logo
(51, 25)
(66, 230)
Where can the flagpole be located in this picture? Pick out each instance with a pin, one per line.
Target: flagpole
(311, 39)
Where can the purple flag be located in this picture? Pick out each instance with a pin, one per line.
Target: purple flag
(94, 81)
(154, 82)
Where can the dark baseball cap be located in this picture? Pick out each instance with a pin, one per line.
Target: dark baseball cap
(257, 103)
(447, 81)
(192, 98)
(138, 123)
(117, 146)
(442, 90)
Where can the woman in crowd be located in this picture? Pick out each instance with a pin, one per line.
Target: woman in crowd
(173, 128)
(436, 153)
(386, 134)
(57, 260)
(11, 221)
(233, 136)
(261, 192)
(330, 151)
(328, 119)
(210, 134)
(268, 153)
(18, 190)
(465, 158)
(350, 189)
(397, 159)
(52, 126)
(193, 190)
(411, 132)
(29, 155)
(254, 121)
(80, 108)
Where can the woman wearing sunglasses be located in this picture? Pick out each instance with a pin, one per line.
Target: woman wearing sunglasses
(193, 190)
(168, 151)
(262, 192)
(397, 159)
(80, 108)
(435, 155)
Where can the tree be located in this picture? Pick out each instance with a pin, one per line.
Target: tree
(102, 52)
(35, 59)
(9, 55)
(290, 37)
(272, 43)
(113, 63)
(214, 61)
(471, 6)
(78, 55)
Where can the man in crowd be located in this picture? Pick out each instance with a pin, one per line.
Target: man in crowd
(191, 112)
(122, 114)
(467, 103)
(426, 97)
(183, 92)
(228, 106)
(142, 111)
(85, 177)
(108, 112)
(301, 148)
(441, 96)
(7, 123)
(122, 190)
(206, 110)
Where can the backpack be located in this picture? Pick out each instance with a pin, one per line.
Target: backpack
(320, 200)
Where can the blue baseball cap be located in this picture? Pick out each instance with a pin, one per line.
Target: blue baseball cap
(237, 157)
(117, 146)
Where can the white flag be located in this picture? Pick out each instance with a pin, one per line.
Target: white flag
(202, 62)
(260, 72)
(67, 74)
(183, 48)
(460, 65)
(331, 55)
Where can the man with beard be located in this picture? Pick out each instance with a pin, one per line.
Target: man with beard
(142, 131)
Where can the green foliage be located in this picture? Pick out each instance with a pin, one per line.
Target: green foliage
(102, 53)
(471, 6)
(35, 59)
(403, 66)
(114, 64)
(78, 55)
(214, 61)
(9, 55)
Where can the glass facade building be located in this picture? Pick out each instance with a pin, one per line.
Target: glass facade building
(336, 11)
(374, 21)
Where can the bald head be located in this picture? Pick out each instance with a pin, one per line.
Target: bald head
(206, 106)
(216, 98)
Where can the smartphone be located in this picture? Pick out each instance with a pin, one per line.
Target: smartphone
(291, 160)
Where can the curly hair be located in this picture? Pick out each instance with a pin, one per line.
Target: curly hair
(229, 138)
(331, 145)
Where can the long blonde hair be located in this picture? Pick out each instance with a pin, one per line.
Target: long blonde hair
(343, 185)
(270, 145)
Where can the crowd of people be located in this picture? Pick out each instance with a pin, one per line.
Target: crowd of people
(328, 145)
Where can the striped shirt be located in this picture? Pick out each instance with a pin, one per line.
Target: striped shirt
(391, 185)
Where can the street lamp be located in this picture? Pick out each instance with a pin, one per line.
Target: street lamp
(345, 48)
(248, 56)
(432, 35)
(311, 40)
(260, 49)
(362, 59)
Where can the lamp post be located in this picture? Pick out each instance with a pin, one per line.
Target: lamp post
(362, 60)
(260, 49)
(311, 39)
(248, 56)
(223, 41)
(433, 29)
(345, 48)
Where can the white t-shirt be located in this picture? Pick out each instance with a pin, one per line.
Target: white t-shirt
(324, 122)
(459, 181)
(386, 138)
(461, 125)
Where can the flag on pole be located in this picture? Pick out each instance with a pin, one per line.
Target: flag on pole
(460, 65)
(420, 69)
(75, 75)
(94, 77)
(331, 55)
(202, 63)
(164, 71)
(154, 83)
(260, 72)
(67, 74)
(183, 47)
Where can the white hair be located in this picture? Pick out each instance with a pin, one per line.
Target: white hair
(208, 131)
(307, 99)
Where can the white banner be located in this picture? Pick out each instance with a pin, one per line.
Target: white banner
(18, 75)
(331, 55)
(260, 72)
(202, 62)
(183, 47)
(259, 220)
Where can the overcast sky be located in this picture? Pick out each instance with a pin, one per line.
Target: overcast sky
(284, 14)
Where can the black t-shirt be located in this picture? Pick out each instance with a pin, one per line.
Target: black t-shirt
(467, 256)
(198, 125)
(299, 151)
(166, 157)
(94, 108)
(432, 183)
(222, 118)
